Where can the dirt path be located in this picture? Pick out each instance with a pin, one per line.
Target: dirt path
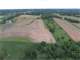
(28, 26)
(72, 31)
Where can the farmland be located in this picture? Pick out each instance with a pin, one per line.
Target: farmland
(74, 20)
(39, 36)
(64, 42)
(27, 26)
(73, 32)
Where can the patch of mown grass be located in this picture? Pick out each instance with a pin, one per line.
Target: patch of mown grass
(14, 50)
(16, 39)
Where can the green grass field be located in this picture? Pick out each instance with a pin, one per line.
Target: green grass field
(14, 48)
(17, 39)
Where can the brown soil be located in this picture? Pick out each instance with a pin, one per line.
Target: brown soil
(27, 26)
(71, 30)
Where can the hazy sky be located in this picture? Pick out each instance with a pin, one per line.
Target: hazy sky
(12, 4)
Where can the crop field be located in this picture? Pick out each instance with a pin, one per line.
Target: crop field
(27, 26)
(57, 32)
(77, 25)
(73, 20)
(72, 31)
(65, 45)
(39, 36)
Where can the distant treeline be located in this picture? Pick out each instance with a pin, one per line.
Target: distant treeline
(41, 11)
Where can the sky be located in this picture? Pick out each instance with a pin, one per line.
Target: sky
(36, 4)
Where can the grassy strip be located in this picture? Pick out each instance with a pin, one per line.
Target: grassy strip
(14, 50)
(15, 39)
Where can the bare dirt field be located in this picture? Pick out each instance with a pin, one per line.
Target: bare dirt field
(27, 26)
(71, 30)
(77, 25)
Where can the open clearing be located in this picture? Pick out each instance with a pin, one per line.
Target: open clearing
(27, 26)
(72, 31)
